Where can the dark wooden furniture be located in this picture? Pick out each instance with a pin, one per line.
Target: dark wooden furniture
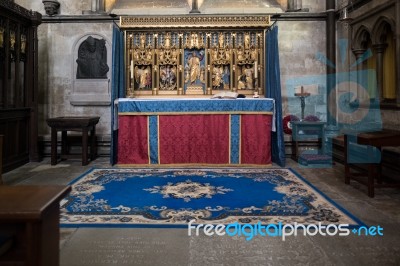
(31, 214)
(376, 139)
(81, 124)
(307, 132)
(1, 160)
(18, 84)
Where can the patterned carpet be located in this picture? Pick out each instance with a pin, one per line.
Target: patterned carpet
(173, 197)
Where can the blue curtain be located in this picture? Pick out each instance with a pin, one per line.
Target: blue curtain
(273, 90)
(117, 85)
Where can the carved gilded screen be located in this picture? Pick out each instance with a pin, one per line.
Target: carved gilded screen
(164, 56)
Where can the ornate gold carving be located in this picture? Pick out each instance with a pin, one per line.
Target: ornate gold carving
(195, 40)
(194, 90)
(12, 40)
(195, 22)
(168, 78)
(194, 61)
(168, 57)
(142, 54)
(23, 43)
(2, 37)
(143, 76)
(247, 53)
(220, 54)
(168, 54)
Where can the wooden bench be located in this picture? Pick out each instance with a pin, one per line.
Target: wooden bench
(378, 139)
(30, 216)
(1, 160)
(80, 124)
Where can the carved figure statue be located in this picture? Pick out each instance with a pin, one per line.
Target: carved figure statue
(226, 76)
(12, 40)
(92, 59)
(1, 37)
(142, 41)
(246, 41)
(194, 66)
(248, 71)
(221, 40)
(217, 77)
(23, 43)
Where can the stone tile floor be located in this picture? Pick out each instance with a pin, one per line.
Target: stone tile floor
(150, 246)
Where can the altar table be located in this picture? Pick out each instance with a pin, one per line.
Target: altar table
(194, 131)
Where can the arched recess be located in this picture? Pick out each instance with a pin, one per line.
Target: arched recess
(381, 27)
(366, 63)
(384, 39)
(91, 91)
(361, 38)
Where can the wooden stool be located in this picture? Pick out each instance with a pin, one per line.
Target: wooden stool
(65, 124)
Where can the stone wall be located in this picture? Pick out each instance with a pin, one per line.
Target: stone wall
(367, 16)
(299, 41)
(299, 44)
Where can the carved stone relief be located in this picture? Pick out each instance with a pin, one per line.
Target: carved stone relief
(91, 70)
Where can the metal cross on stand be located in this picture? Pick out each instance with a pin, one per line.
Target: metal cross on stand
(302, 94)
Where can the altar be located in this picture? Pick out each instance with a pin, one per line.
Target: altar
(194, 131)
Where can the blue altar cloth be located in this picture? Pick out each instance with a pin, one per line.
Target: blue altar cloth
(194, 105)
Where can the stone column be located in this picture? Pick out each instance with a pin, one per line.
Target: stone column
(379, 49)
(94, 6)
(331, 55)
(97, 7)
(358, 53)
(195, 7)
(294, 5)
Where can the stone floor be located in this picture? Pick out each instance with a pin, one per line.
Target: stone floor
(138, 246)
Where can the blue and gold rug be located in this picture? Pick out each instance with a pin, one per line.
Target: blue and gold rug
(173, 197)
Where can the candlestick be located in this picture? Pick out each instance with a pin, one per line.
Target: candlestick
(255, 69)
(131, 69)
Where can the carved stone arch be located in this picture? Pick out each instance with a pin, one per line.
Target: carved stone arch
(361, 37)
(381, 29)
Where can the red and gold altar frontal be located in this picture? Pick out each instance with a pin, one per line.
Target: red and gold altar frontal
(194, 55)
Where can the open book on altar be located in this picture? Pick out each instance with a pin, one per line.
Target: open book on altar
(225, 95)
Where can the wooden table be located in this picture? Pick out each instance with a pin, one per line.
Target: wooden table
(65, 124)
(307, 131)
(376, 139)
(31, 214)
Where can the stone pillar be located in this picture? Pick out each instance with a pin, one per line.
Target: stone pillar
(97, 7)
(195, 7)
(294, 5)
(331, 55)
(379, 50)
(358, 53)
(94, 6)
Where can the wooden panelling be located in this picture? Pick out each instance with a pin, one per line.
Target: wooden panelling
(18, 84)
